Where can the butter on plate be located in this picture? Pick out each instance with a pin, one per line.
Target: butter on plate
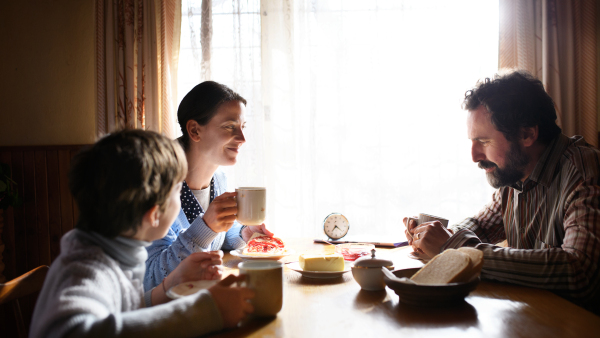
(331, 262)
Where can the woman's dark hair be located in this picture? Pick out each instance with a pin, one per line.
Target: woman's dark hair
(515, 100)
(201, 105)
(121, 177)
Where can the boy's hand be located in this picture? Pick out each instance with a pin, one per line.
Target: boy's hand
(220, 214)
(250, 230)
(232, 302)
(197, 266)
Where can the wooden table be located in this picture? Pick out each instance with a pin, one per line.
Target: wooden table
(339, 308)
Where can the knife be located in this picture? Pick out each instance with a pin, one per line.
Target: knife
(389, 245)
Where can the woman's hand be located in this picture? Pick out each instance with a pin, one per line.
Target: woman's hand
(197, 266)
(232, 302)
(221, 213)
(250, 230)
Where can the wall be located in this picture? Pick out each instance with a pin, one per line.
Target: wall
(47, 80)
(47, 72)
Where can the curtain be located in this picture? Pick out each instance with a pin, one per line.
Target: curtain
(354, 106)
(137, 51)
(556, 41)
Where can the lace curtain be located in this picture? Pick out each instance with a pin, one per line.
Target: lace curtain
(137, 47)
(354, 105)
(556, 42)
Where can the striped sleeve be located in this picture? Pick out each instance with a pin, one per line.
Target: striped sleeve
(572, 269)
(182, 239)
(487, 226)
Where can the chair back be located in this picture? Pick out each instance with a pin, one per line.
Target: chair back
(26, 284)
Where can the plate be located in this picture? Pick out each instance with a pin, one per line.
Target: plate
(422, 257)
(429, 295)
(239, 253)
(318, 274)
(186, 289)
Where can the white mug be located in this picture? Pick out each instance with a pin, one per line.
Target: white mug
(265, 278)
(252, 205)
(427, 218)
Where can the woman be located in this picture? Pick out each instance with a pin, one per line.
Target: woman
(211, 117)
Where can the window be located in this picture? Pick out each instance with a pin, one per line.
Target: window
(354, 105)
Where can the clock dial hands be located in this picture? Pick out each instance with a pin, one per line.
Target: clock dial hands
(336, 226)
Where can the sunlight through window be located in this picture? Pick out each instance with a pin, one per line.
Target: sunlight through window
(354, 106)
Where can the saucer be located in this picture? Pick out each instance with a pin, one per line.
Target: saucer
(318, 274)
(189, 288)
(239, 253)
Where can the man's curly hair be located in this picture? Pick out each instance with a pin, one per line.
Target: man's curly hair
(515, 100)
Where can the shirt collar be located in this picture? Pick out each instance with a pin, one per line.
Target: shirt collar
(189, 204)
(544, 170)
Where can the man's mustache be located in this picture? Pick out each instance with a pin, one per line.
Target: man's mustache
(487, 164)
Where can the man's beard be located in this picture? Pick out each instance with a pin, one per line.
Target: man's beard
(516, 160)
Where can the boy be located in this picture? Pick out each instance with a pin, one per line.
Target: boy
(127, 190)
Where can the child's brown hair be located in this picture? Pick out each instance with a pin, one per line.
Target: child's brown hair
(121, 177)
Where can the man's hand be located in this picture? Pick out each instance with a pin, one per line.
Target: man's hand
(429, 237)
(409, 232)
(232, 302)
(410, 226)
(220, 214)
(250, 230)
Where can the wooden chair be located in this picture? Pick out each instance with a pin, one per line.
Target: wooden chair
(21, 286)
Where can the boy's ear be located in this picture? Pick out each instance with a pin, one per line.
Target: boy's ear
(194, 130)
(151, 217)
(529, 135)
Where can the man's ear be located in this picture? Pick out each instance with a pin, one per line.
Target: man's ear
(194, 130)
(529, 135)
(151, 216)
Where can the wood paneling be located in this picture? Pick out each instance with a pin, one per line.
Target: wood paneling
(66, 205)
(54, 226)
(32, 232)
(32, 252)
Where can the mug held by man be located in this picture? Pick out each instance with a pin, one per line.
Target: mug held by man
(265, 278)
(252, 205)
(423, 218)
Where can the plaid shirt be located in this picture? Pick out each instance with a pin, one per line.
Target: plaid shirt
(551, 224)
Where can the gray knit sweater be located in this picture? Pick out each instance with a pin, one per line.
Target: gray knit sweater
(94, 289)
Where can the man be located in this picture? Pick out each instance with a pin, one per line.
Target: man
(547, 206)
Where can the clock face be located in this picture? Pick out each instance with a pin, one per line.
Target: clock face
(336, 226)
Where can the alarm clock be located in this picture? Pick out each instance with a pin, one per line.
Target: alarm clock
(336, 226)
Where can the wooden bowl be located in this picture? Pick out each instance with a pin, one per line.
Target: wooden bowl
(429, 295)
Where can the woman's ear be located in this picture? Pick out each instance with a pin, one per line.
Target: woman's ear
(151, 217)
(530, 135)
(194, 130)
